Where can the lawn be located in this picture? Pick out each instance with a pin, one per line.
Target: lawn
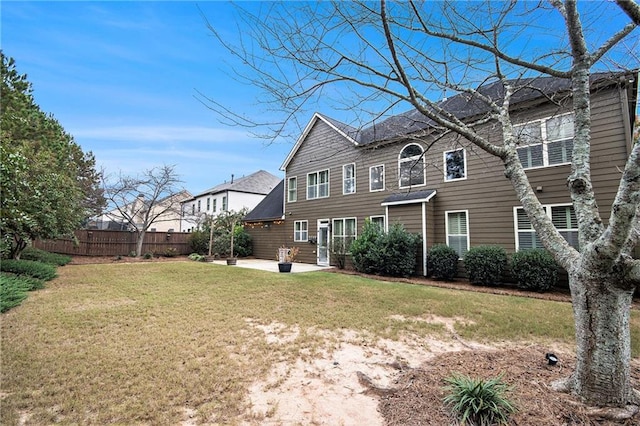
(147, 343)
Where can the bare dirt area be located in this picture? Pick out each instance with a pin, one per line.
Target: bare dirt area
(395, 383)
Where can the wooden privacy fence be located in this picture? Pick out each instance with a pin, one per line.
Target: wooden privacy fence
(115, 243)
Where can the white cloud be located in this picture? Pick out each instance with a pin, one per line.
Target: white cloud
(160, 134)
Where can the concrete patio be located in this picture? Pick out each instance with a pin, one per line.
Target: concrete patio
(272, 265)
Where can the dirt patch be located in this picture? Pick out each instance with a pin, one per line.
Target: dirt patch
(385, 382)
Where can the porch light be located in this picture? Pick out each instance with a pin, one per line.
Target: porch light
(551, 358)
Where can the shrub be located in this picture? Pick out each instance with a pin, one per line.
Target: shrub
(30, 268)
(148, 255)
(14, 288)
(197, 257)
(477, 401)
(199, 242)
(534, 269)
(170, 252)
(399, 249)
(242, 243)
(365, 250)
(485, 264)
(443, 262)
(32, 253)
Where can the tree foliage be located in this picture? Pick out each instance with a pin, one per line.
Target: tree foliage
(49, 185)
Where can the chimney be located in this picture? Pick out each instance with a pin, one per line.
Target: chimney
(231, 177)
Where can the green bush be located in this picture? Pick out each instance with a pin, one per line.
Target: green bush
(196, 257)
(485, 264)
(391, 254)
(365, 250)
(170, 252)
(534, 269)
(30, 268)
(443, 262)
(242, 243)
(199, 242)
(14, 288)
(31, 253)
(477, 401)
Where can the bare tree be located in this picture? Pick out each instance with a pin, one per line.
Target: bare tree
(140, 201)
(361, 53)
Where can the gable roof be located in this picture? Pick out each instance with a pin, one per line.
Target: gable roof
(345, 130)
(462, 106)
(260, 182)
(271, 207)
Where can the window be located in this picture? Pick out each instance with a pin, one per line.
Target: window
(455, 165)
(376, 178)
(411, 166)
(344, 232)
(457, 224)
(224, 203)
(318, 185)
(193, 208)
(215, 204)
(379, 221)
(546, 142)
(292, 189)
(349, 178)
(208, 203)
(563, 218)
(301, 230)
(199, 206)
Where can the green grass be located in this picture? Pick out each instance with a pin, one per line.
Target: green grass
(140, 343)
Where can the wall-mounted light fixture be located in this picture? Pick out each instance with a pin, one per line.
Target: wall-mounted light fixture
(267, 225)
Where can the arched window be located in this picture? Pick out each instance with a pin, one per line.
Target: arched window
(411, 166)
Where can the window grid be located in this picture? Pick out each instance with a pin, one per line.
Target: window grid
(546, 142)
(292, 190)
(344, 233)
(563, 218)
(455, 165)
(457, 227)
(376, 178)
(301, 231)
(411, 167)
(318, 185)
(349, 179)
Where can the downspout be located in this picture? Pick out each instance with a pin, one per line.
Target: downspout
(424, 238)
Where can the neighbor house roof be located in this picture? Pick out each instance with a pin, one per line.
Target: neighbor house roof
(271, 206)
(260, 182)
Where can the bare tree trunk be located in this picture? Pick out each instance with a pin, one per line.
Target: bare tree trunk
(141, 235)
(601, 313)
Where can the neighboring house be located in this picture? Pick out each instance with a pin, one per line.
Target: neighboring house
(235, 195)
(407, 170)
(168, 221)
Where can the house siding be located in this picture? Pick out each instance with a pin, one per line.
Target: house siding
(486, 194)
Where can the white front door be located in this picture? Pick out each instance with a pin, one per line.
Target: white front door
(323, 243)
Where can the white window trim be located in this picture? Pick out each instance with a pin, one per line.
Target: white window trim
(328, 184)
(545, 143)
(289, 200)
(444, 162)
(547, 209)
(294, 230)
(343, 220)
(446, 226)
(424, 168)
(344, 179)
(384, 221)
(383, 178)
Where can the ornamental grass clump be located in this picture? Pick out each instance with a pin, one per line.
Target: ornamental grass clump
(478, 402)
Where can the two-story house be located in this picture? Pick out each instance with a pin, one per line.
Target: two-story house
(234, 195)
(408, 170)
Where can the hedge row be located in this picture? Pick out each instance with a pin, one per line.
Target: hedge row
(533, 269)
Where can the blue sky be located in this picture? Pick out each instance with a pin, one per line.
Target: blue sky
(121, 78)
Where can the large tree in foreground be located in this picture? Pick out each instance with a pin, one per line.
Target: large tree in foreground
(48, 185)
(360, 53)
(153, 196)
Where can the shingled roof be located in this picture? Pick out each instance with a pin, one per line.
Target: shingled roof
(271, 207)
(260, 182)
(465, 106)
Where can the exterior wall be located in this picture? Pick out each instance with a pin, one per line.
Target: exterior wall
(486, 194)
(236, 201)
(267, 237)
